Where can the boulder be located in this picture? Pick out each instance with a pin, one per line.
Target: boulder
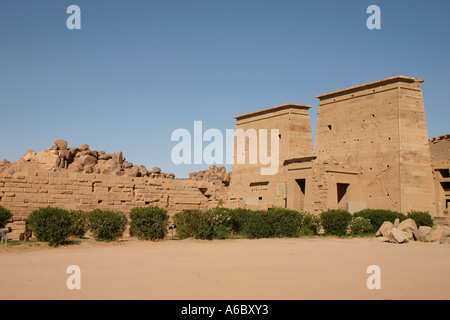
(396, 222)
(29, 155)
(127, 164)
(425, 230)
(132, 172)
(88, 160)
(419, 236)
(61, 144)
(50, 158)
(84, 147)
(92, 153)
(156, 170)
(111, 164)
(439, 234)
(399, 236)
(407, 224)
(120, 158)
(105, 156)
(385, 229)
(143, 171)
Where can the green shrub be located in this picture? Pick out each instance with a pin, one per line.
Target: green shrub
(194, 224)
(50, 225)
(378, 216)
(360, 225)
(5, 215)
(309, 225)
(221, 221)
(335, 222)
(149, 223)
(287, 222)
(422, 218)
(259, 224)
(239, 218)
(275, 222)
(78, 226)
(106, 225)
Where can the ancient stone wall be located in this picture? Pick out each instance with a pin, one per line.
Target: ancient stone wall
(23, 192)
(440, 148)
(440, 160)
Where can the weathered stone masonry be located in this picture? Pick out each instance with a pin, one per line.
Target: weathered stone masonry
(371, 151)
(23, 192)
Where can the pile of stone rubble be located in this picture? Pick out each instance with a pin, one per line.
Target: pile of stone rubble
(407, 230)
(81, 159)
(214, 173)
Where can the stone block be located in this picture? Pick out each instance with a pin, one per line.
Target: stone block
(399, 236)
(408, 224)
(385, 229)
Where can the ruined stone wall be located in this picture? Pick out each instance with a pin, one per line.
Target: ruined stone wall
(22, 192)
(440, 148)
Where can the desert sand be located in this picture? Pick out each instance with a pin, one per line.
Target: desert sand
(274, 269)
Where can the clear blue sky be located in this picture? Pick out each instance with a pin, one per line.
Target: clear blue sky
(138, 70)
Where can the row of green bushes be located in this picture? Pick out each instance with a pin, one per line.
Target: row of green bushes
(339, 222)
(55, 225)
(220, 223)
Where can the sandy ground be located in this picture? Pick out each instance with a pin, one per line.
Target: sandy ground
(293, 269)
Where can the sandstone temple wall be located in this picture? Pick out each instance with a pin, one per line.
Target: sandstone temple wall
(380, 127)
(23, 192)
(371, 151)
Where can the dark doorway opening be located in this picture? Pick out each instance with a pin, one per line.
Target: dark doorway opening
(300, 196)
(342, 190)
